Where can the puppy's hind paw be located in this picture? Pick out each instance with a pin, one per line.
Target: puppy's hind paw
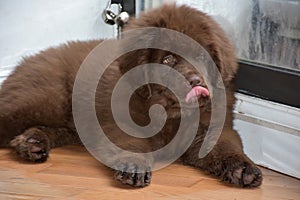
(33, 145)
(241, 173)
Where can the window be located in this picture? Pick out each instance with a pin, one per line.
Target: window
(266, 31)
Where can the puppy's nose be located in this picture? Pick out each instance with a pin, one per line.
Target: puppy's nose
(194, 80)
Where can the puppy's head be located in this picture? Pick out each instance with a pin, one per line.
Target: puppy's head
(198, 27)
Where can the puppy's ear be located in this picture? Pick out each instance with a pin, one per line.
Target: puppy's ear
(224, 58)
(227, 64)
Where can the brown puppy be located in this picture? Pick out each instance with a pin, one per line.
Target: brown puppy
(36, 111)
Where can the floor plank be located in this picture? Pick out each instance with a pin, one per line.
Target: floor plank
(71, 173)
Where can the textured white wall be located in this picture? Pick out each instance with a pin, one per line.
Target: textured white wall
(32, 25)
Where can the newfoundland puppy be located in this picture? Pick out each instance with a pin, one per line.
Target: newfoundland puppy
(36, 101)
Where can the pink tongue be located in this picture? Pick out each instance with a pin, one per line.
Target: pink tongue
(195, 93)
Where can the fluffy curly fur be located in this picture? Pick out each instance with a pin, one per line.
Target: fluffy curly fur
(36, 111)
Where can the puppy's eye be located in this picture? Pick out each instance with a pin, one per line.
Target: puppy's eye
(169, 60)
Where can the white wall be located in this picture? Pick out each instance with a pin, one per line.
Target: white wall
(27, 26)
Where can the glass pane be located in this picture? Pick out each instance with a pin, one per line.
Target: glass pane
(266, 31)
(275, 33)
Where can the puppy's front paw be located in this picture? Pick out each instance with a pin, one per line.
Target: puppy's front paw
(240, 172)
(134, 173)
(33, 145)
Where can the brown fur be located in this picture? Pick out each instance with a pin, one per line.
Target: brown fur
(35, 101)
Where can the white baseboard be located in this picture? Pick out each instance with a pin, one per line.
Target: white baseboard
(270, 133)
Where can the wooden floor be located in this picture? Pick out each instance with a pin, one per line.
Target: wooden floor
(71, 173)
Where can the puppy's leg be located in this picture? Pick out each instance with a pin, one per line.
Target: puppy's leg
(134, 170)
(226, 161)
(33, 95)
(130, 163)
(35, 143)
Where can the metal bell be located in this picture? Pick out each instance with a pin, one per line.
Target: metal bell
(109, 17)
(122, 18)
